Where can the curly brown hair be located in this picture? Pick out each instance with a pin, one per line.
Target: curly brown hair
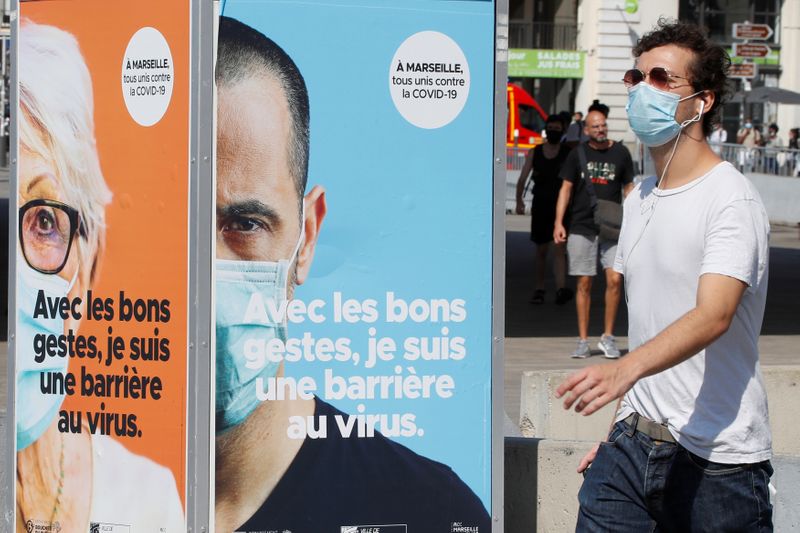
(708, 71)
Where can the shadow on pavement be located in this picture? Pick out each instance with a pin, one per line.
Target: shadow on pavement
(782, 315)
(524, 319)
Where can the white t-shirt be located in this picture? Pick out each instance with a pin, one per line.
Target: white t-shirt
(131, 490)
(714, 403)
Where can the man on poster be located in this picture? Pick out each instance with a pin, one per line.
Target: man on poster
(267, 230)
(691, 443)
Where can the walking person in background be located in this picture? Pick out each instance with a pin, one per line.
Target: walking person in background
(794, 157)
(575, 134)
(543, 164)
(607, 167)
(690, 447)
(771, 142)
(597, 105)
(794, 134)
(749, 138)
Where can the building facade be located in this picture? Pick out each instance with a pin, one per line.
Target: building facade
(605, 32)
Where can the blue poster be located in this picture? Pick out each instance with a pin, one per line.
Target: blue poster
(354, 266)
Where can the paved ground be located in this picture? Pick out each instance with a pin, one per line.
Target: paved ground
(3, 377)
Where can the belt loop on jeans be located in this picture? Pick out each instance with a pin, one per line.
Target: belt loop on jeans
(632, 421)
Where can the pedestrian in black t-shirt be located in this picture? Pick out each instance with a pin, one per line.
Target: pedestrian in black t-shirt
(610, 167)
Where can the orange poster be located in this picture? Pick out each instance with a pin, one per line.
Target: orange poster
(102, 265)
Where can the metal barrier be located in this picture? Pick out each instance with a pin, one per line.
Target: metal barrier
(761, 160)
(515, 158)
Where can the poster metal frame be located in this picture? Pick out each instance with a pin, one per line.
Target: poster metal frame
(199, 453)
(499, 262)
(9, 461)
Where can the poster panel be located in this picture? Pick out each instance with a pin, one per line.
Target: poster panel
(101, 266)
(354, 266)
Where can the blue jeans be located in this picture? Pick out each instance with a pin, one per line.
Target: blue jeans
(636, 484)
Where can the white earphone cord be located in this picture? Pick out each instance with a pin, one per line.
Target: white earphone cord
(685, 123)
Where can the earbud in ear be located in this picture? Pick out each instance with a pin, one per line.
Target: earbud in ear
(697, 118)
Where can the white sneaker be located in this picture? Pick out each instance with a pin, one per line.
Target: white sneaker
(609, 347)
(582, 350)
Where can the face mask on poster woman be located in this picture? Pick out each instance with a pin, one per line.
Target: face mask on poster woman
(35, 410)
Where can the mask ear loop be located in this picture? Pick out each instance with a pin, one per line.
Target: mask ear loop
(302, 236)
(285, 265)
(73, 280)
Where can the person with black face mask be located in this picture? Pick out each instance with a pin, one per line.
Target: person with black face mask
(545, 161)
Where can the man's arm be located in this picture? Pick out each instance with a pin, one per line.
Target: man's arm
(523, 175)
(626, 190)
(564, 194)
(627, 178)
(718, 296)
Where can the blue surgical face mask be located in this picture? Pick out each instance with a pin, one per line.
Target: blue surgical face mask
(251, 299)
(651, 114)
(36, 410)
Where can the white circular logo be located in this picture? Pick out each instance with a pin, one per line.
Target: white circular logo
(147, 76)
(429, 79)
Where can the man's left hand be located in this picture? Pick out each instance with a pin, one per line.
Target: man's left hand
(595, 386)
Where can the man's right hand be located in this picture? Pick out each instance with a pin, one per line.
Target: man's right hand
(588, 458)
(520, 207)
(559, 233)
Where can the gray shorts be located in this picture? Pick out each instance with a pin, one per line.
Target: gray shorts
(582, 253)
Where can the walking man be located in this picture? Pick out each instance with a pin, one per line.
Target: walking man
(749, 138)
(610, 168)
(574, 134)
(690, 447)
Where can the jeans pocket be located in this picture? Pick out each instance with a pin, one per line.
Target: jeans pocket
(711, 467)
(616, 432)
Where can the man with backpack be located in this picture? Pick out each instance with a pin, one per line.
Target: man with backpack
(595, 177)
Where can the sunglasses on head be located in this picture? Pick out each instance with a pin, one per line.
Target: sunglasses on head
(660, 78)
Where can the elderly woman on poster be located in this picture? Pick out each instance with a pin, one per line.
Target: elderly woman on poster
(67, 480)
